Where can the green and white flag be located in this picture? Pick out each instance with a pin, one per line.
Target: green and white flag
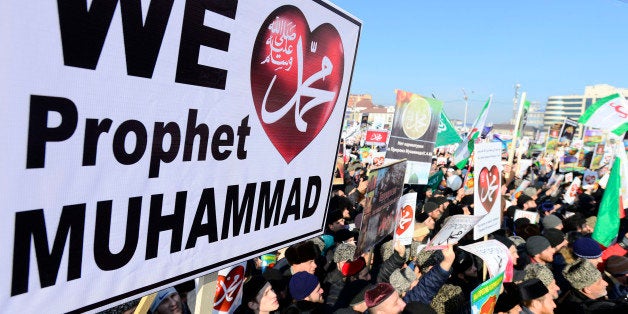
(524, 118)
(608, 113)
(462, 154)
(447, 134)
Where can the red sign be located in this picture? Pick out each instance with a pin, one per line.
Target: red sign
(376, 137)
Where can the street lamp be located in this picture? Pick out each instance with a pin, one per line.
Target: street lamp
(466, 105)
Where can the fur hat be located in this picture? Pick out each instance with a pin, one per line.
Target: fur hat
(530, 191)
(591, 221)
(161, 295)
(402, 278)
(429, 207)
(333, 216)
(554, 236)
(617, 265)
(427, 259)
(378, 294)
(252, 287)
(517, 240)
(532, 289)
(581, 274)
(587, 248)
(343, 235)
(539, 271)
(344, 252)
(536, 245)
(522, 199)
(302, 284)
(449, 299)
(551, 221)
(508, 299)
(301, 252)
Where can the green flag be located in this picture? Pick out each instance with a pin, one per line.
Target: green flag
(463, 152)
(607, 224)
(447, 134)
(608, 113)
(524, 118)
(434, 180)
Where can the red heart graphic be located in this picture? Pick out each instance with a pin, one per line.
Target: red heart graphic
(296, 77)
(227, 289)
(404, 222)
(488, 187)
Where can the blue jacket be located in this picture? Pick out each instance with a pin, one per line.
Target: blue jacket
(428, 286)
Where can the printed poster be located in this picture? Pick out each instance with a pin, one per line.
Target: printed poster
(484, 297)
(456, 227)
(413, 134)
(405, 218)
(229, 289)
(376, 137)
(487, 197)
(385, 186)
(495, 255)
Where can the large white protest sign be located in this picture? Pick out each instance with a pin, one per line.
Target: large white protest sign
(150, 142)
(572, 192)
(495, 255)
(455, 228)
(532, 216)
(229, 289)
(405, 218)
(487, 191)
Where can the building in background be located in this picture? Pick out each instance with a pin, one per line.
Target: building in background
(573, 106)
(378, 117)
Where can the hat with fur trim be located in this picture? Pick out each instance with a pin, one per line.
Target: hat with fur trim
(532, 289)
(301, 252)
(539, 271)
(587, 248)
(581, 274)
(344, 252)
(378, 294)
(402, 278)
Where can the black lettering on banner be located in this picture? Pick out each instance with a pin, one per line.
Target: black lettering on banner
(244, 130)
(142, 40)
(312, 182)
(104, 258)
(83, 31)
(38, 131)
(195, 34)
(218, 141)
(158, 153)
(31, 225)
(119, 138)
(206, 205)
(231, 206)
(158, 223)
(269, 207)
(93, 129)
(191, 132)
(293, 203)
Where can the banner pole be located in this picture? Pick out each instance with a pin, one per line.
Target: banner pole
(205, 293)
(145, 303)
(484, 269)
(511, 151)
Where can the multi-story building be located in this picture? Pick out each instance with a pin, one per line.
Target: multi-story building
(362, 105)
(573, 106)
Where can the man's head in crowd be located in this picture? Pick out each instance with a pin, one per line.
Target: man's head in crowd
(556, 238)
(509, 299)
(167, 301)
(540, 250)
(302, 256)
(617, 266)
(403, 280)
(536, 297)
(426, 220)
(383, 299)
(335, 220)
(585, 278)
(526, 203)
(545, 275)
(305, 287)
(552, 222)
(432, 209)
(588, 249)
(259, 296)
(512, 248)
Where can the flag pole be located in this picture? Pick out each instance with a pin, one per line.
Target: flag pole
(511, 151)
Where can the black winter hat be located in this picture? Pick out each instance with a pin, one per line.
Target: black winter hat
(301, 252)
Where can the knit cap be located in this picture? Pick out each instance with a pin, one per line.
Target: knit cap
(551, 221)
(344, 252)
(536, 245)
(554, 236)
(302, 284)
(581, 274)
(530, 191)
(587, 248)
(401, 279)
(429, 207)
(539, 271)
(161, 296)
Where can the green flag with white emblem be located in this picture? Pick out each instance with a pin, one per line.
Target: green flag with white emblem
(447, 134)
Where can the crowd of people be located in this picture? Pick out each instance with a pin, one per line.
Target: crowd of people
(558, 267)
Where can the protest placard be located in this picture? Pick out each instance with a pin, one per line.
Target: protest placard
(495, 255)
(376, 137)
(572, 192)
(378, 218)
(405, 218)
(455, 228)
(532, 216)
(149, 145)
(487, 197)
(229, 284)
(484, 297)
(413, 134)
